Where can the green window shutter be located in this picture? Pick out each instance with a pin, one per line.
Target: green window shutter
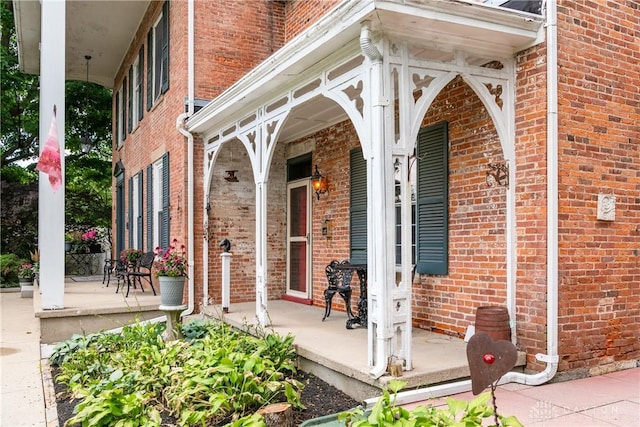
(165, 47)
(139, 219)
(140, 80)
(358, 208)
(432, 200)
(150, 208)
(131, 219)
(130, 104)
(150, 70)
(124, 109)
(164, 230)
(116, 119)
(119, 214)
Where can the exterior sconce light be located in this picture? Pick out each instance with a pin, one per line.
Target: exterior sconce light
(498, 175)
(319, 183)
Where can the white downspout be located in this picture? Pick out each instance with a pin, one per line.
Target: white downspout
(180, 126)
(551, 358)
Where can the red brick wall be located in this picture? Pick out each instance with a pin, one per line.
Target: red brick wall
(599, 153)
(232, 39)
(301, 14)
(477, 256)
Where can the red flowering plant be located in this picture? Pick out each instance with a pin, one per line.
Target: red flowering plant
(130, 256)
(25, 271)
(171, 262)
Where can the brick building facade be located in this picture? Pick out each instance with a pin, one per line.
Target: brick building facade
(271, 75)
(597, 114)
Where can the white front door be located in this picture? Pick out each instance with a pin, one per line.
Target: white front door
(298, 239)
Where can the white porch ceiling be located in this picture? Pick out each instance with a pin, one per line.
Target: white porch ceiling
(102, 29)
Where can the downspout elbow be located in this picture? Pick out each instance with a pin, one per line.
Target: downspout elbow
(366, 44)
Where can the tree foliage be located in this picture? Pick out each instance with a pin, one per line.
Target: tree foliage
(87, 114)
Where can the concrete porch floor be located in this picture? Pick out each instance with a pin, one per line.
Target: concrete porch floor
(91, 306)
(339, 356)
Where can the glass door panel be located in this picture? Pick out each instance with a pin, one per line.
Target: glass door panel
(298, 259)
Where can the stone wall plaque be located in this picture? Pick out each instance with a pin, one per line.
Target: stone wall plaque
(606, 207)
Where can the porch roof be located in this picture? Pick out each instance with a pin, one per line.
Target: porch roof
(102, 29)
(442, 26)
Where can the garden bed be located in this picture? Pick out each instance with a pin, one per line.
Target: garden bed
(317, 397)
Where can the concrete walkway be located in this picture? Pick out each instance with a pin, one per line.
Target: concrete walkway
(22, 392)
(608, 400)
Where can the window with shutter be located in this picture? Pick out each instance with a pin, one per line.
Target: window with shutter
(130, 219)
(432, 200)
(132, 95)
(120, 226)
(116, 116)
(139, 85)
(164, 227)
(158, 57)
(358, 208)
(123, 111)
(139, 233)
(165, 47)
(150, 208)
(150, 70)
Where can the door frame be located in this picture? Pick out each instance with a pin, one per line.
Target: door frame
(308, 238)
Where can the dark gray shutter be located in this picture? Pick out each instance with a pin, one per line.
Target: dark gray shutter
(432, 200)
(130, 215)
(119, 214)
(139, 219)
(150, 208)
(150, 69)
(140, 81)
(124, 109)
(130, 103)
(165, 47)
(358, 208)
(164, 230)
(117, 119)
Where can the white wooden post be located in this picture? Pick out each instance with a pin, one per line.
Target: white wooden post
(51, 205)
(226, 280)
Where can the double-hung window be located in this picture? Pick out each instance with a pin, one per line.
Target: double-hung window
(136, 99)
(158, 57)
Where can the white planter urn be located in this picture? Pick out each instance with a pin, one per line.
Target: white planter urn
(171, 290)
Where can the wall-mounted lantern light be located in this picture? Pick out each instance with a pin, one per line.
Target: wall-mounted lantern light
(319, 183)
(498, 175)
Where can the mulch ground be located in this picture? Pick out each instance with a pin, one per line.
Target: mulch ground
(318, 397)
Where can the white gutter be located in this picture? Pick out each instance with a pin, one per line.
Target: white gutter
(551, 358)
(190, 170)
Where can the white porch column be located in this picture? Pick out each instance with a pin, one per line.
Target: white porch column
(50, 204)
(261, 253)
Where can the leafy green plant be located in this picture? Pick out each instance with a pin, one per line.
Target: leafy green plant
(9, 267)
(196, 329)
(456, 413)
(131, 377)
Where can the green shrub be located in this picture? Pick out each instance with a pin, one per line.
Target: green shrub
(9, 267)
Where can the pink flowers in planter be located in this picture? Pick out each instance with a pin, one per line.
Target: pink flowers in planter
(172, 262)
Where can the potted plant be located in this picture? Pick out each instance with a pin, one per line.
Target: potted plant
(130, 256)
(170, 267)
(25, 277)
(90, 241)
